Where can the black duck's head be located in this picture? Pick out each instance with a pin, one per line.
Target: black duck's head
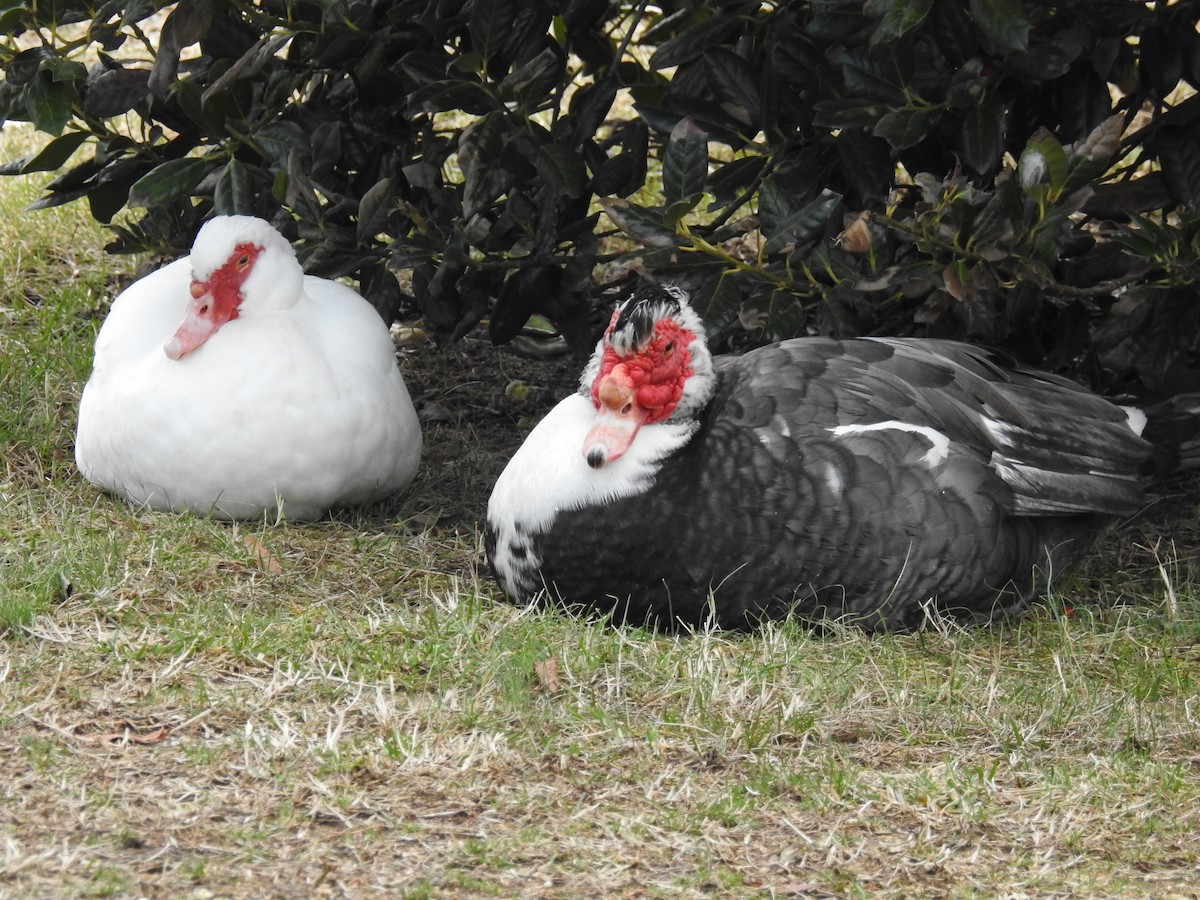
(652, 365)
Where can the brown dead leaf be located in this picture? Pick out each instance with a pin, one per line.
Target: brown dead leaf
(546, 673)
(856, 238)
(128, 736)
(263, 558)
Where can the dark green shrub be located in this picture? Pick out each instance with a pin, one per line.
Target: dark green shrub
(1019, 173)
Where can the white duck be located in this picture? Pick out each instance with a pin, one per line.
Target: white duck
(231, 384)
(862, 480)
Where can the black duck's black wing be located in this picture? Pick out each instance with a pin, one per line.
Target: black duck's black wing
(1056, 446)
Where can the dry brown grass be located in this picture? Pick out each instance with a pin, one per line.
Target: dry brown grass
(349, 708)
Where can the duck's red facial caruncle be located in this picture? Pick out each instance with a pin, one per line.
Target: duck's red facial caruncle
(636, 389)
(214, 302)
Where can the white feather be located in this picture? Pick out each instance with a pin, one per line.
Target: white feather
(939, 444)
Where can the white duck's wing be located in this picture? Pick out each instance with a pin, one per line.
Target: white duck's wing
(371, 405)
(126, 365)
(144, 315)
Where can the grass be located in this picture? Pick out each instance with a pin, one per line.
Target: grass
(190, 708)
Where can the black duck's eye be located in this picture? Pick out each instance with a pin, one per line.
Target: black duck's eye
(670, 348)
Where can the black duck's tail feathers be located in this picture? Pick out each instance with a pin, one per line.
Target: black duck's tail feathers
(1173, 428)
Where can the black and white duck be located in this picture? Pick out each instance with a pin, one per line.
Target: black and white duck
(873, 481)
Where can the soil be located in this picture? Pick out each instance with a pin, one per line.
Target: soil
(476, 402)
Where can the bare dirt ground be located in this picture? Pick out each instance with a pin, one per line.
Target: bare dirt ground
(476, 403)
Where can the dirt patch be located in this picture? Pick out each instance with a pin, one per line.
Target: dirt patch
(476, 402)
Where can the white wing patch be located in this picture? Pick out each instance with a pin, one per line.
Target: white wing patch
(1001, 432)
(1135, 418)
(939, 444)
(833, 479)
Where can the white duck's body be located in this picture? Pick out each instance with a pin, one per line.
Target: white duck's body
(292, 405)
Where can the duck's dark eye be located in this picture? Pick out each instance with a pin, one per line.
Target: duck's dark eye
(244, 261)
(670, 348)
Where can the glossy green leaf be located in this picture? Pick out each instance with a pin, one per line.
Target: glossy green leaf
(479, 148)
(49, 103)
(248, 65)
(640, 223)
(776, 202)
(896, 17)
(589, 107)
(58, 198)
(186, 24)
(615, 176)
(664, 113)
(1160, 60)
(1179, 153)
(533, 81)
(107, 199)
(1044, 161)
(735, 85)
(983, 137)
(836, 316)
(115, 91)
(583, 14)
(234, 194)
(56, 153)
(278, 140)
(22, 68)
(855, 113)
(685, 162)
(373, 210)
(731, 180)
(298, 191)
(690, 42)
(902, 128)
(1003, 22)
(720, 297)
(803, 225)
(1093, 155)
(191, 20)
(868, 76)
(561, 169)
(169, 181)
(490, 24)
(444, 96)
(61, 69)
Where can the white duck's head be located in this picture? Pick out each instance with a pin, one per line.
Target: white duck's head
(652, 365)
(240, 266)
